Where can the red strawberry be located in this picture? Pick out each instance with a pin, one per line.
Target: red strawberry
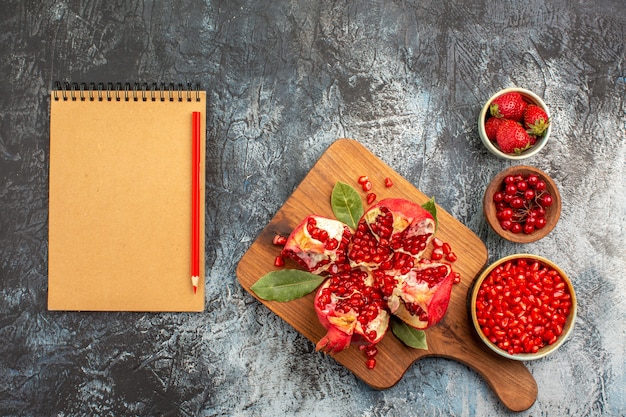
(512, 138)
(491, 127)
(508, 106)
(535, 120)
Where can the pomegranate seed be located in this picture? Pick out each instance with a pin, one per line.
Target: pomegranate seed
(446, 248)
(370, 363)
(536, 317)
(367, 185)
(279, 240)
(371, 351)
(279, 261)
(388, 182)
(451, 257)
(437, 254)
(371, 197)
(437, 242)
(363, 179)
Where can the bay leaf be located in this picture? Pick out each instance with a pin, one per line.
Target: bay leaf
(408, 335)
(431, 207)
(286, 284)
(346, 204)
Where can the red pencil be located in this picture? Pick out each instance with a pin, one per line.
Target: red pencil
(195, 202)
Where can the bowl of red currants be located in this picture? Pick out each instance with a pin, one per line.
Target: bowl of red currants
(523, 307)
(522, 204)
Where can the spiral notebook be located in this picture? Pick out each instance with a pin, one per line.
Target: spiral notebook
(120, 198)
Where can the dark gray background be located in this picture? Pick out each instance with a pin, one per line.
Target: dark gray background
(284, 80)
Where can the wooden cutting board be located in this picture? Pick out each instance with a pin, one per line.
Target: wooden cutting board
(453, 338)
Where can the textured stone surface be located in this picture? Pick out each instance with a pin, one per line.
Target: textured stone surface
(285, 79)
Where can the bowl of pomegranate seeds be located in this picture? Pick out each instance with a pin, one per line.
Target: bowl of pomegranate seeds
(522, 204)
(523, 307)
(514, 124)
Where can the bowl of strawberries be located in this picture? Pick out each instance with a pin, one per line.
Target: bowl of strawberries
(514, 124)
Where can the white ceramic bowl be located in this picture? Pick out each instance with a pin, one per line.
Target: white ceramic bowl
(530, 97)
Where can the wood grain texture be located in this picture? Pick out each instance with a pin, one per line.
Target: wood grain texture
(453, 338)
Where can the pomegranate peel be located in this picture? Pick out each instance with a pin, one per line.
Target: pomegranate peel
(318, 243)
(347, 305)
(420, 297)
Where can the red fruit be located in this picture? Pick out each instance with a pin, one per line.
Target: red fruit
(437, 254)
(420, 297)
(318, 243)
(279, 261)
(400, 226)
(367, 185)
(351, 309)
(535, 120)
(546, 200)
(279, 240)
(524, 203)
(508, 106)
(491, 127)
(522, 305)
(374, 271)
(371, 197)
(363, 179)
(512, 138)
(388, 182)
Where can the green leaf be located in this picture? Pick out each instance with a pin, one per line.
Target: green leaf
(346, 204)
(431, 207)
(408, 335)
(286, 284)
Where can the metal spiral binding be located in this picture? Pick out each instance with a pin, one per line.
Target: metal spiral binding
(125, 91)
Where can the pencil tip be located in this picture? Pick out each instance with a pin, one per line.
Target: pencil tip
(194, 283)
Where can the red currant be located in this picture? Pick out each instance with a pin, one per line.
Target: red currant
(498, 197)
(506, 224)
(541, 185)
(505, 214)
(517, 203)
(521, 203)
(529, 194)
(546, 200)
(510, 189)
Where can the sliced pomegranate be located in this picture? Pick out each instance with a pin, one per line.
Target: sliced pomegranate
(401, 225)
(364, 249)
(375, 271)
(352, 310)
(318, 244)
(420, 297)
